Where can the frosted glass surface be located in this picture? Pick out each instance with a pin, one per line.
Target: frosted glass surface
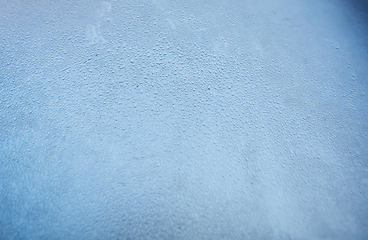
(192, 119)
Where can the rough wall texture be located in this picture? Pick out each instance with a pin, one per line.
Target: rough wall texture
(183, 119)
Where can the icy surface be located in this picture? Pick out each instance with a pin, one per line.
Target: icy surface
(189, 119)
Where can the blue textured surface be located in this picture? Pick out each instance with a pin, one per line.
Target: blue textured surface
(184, 119)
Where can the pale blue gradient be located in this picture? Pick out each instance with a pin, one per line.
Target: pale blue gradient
(165, 119)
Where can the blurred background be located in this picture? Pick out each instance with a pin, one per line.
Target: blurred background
(165, 119)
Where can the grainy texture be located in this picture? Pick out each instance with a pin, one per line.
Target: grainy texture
(183, 119)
